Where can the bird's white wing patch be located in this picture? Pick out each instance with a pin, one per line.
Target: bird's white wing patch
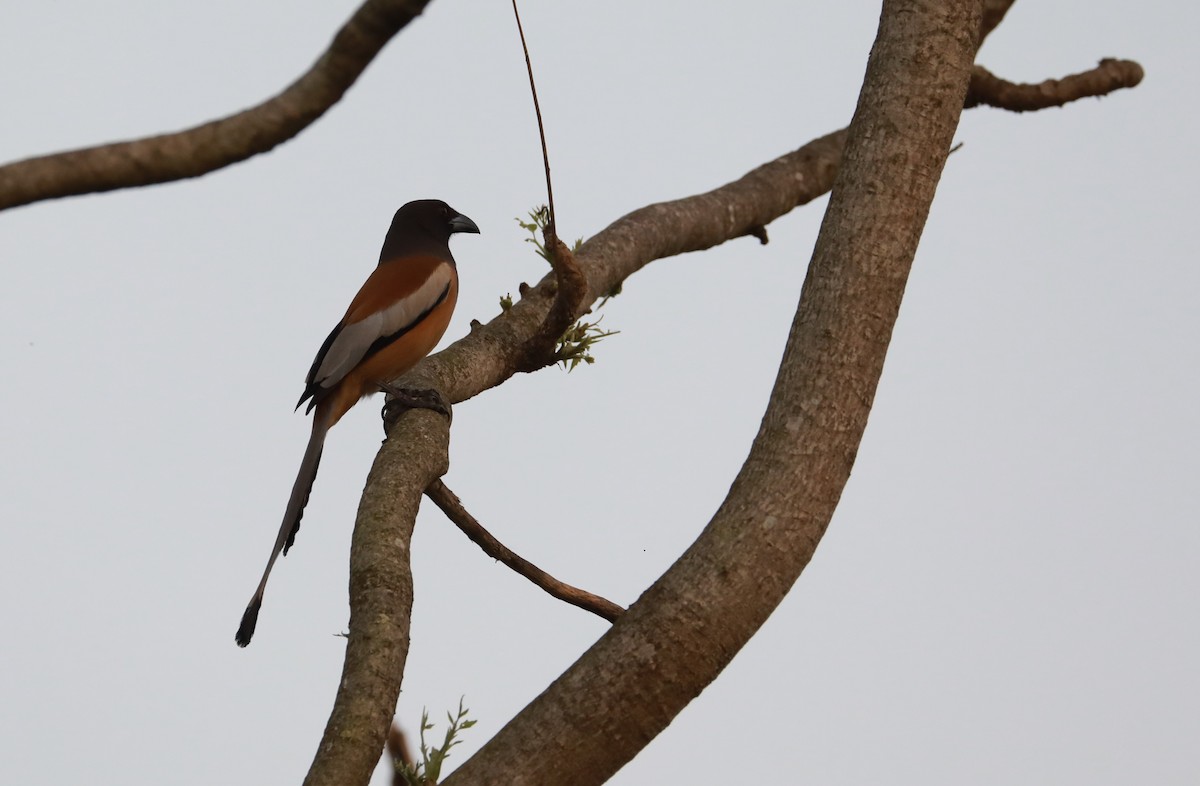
(355, 340)
(347, 350)
(406, 311)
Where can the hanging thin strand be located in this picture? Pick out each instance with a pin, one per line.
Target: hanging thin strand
(538, 111)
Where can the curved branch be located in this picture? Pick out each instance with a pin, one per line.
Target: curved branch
(678, 637)
(413, 457)
(1111, 75)
(452, 506)
(197, 151)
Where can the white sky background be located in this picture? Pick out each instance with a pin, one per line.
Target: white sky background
(1006, 595)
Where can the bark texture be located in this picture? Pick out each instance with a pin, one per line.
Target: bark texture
(381, 595)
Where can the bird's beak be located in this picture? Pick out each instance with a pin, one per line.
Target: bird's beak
(461, 223)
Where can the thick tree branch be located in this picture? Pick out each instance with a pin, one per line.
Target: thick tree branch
(689, 624)
(413, 457)
(452, 506)
(197, 151)
(1108, 77)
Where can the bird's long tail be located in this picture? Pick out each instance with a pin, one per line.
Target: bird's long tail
(291, 521)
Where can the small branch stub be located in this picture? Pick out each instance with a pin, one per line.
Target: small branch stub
(1110, 75)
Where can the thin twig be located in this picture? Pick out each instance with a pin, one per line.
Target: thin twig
(572, 283)
(538, 111)
(452, 506)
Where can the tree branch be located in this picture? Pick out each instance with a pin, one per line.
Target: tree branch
(412, 457)
(1111, 75)
(493, 352)
(452, 506)
(197, 151)
(689, 624)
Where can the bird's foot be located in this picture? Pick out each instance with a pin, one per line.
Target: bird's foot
(402, 399)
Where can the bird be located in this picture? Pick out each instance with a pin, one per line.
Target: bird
(397, 318)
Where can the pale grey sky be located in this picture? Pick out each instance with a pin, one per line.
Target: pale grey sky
(1007, 594)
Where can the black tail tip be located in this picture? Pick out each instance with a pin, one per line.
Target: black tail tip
(249, 621)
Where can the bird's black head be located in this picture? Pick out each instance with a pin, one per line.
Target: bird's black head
(435, 217)
(424, 227)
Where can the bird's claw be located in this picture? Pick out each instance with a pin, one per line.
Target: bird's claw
(402, 399)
